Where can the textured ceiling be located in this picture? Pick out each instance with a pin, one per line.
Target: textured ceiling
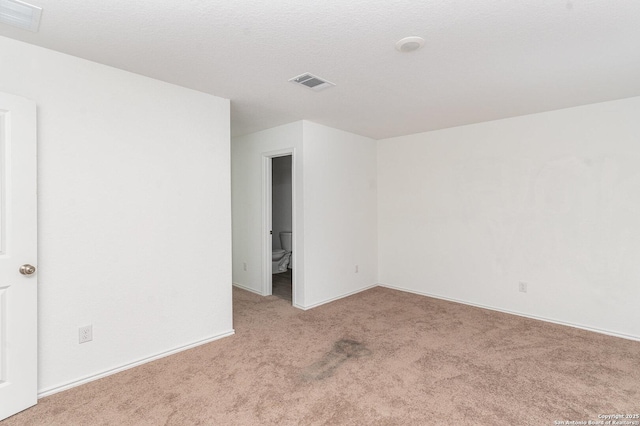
(483, 59)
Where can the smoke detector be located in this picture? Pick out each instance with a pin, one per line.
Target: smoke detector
(312, 82)
(409, 44)
(20, 14)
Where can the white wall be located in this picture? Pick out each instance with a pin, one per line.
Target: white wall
(551, 199)
(335, 204)
(282, 198)
(247, 204)
(134, 213)
(340, 213)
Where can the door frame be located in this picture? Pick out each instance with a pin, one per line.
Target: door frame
(267, 221)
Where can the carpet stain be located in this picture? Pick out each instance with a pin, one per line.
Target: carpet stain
(342, 351)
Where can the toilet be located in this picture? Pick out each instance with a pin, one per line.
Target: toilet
(280, 258)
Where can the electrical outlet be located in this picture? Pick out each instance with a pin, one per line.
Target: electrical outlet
(244, 266)
(522, 286)
(357, 269)
(85, 334)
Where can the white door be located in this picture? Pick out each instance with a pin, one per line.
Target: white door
(18, 239)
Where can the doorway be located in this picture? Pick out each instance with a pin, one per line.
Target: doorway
(281, 225)
(279, 222)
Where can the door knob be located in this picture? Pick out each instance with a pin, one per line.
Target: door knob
(27, 269)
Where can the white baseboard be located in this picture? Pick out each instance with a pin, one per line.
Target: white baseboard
(92, 377)
(252, 290)
(333, 299)
(520, 314)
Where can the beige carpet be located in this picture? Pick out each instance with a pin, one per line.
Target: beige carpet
(381, 357)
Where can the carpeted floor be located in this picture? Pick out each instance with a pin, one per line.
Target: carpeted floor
(380, 357)
(282, 285)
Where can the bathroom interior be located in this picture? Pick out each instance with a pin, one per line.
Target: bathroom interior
(281, 225)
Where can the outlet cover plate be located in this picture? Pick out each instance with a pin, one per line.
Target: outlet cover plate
(85, 334)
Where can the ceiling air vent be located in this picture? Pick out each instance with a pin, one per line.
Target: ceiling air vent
(20, 14)
(312, 82)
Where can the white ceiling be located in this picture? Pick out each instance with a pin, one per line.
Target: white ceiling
(483, 59)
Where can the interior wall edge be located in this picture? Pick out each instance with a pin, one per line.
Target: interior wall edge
(333, 299)
(90, 378)
(249, 289)
(520, 314)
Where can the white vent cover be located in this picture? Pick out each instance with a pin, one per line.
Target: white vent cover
(20, 14)
(312, 82)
